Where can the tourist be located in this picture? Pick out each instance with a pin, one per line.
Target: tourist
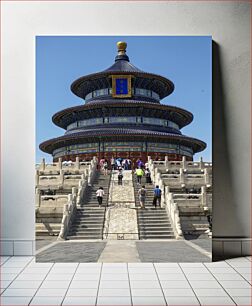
(101, 163)
(140, 164)
(99, 194)
(147, 176)
(126, 164)
(139, 174)
(120, 176)
(105, 167)
(157, 196)
(112, 162)
(118, 163)
(142, 196)
(129, 163)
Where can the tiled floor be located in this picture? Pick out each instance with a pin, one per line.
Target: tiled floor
(25, 282)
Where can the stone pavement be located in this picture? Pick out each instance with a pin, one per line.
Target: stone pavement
(26, 282)
(125, 251)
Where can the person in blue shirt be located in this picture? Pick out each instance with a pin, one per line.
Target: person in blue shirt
(157, 196)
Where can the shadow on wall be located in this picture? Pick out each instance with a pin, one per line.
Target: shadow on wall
(226, 221)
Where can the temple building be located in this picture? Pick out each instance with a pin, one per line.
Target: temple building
(122, 117)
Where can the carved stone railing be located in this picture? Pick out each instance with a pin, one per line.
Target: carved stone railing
(173, 212)
(74, 199)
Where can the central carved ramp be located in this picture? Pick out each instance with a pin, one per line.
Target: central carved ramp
(121, 217)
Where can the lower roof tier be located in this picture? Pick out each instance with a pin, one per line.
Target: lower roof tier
(110, 108)
(110, 134)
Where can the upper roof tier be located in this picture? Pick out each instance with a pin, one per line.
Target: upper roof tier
(157, 86)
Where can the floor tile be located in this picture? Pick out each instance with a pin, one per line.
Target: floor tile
(85, 276)
(119, 270)
(59, 270)
(233, 276)
(166, 265)
(90, 264)
(59, 277)
(30, 276)
(20, 292)
(191, 264)
(247, 277)
(195, 270)
(80, 300)
(66, 265)
(219, 270)
(5, 283)
(114, 265)
(243, 269)
(22, 258)
(114, 284)
(234, 284)
(55, 284)
(220, 300)
(112, 277)
(140, 264)
(239, 291)
(243, 300)
(36, 270)
(145, 284)
(204, 284)
(8, 276)
(178, 292)
(47, 300)
(89, 270)
(25, 284)
(146, 292)
(201, 276)
(210, 292)
(150, 300)
(175, 284)
(169, 270)
(114, 292)
(4, 259)
(51, 292)
(40, 265)
(88, 284)
(171, 276)
(15, 300)
(10, 270)
(14, 264)
(104, 300)
(82, 292)
(241, 264)
(217, 264)
(139, 276)
(147, 270)
(189, 300)
(238, 259)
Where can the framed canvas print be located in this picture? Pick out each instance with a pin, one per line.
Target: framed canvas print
(124, 169)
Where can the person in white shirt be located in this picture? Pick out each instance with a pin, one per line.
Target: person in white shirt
(99, 194)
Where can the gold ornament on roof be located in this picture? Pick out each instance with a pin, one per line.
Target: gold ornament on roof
(121, 46)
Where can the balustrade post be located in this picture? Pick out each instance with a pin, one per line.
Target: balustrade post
(77, 163)
(37, 198)
(201, 163)
(166, 163)
(206, 176)
(203, 196)
(60, 163)
(61, 177)
(181, 176)
(183, 162)
(37, 178)
(43, 164)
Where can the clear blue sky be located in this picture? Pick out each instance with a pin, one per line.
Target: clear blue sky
(185, 60)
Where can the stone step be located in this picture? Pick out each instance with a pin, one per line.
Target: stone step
(85, 237)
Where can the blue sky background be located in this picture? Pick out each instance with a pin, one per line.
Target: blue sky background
(185, 60)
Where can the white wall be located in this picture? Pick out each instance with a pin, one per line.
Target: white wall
(229, 25)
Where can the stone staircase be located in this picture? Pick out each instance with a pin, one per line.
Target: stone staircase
(89, 218)
(153, 223)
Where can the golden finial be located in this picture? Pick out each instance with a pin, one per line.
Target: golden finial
(121, 46)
